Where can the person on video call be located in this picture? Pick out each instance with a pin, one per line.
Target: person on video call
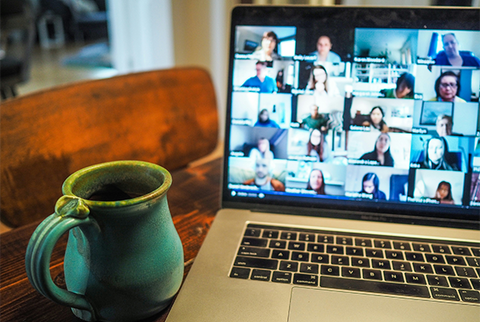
(262, 150)
(315, 120)
(316, 182)
(263, 179)
(317, 147)
(265, 121)
(265, 83)
(267, 51)
(436, 155)
(370, 185)
(320, 84)
(375, 120)
(451, 55)
(324, 51)
(404, 88)
(447, 86)
(381, 153)
(444, 193)
(444, 125)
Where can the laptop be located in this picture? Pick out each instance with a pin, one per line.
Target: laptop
(350, 184)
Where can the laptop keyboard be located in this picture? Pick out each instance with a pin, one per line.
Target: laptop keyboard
(360, 262)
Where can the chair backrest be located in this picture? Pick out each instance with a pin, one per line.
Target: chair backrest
(168, 117)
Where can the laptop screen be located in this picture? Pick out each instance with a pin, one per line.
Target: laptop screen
(365, 109)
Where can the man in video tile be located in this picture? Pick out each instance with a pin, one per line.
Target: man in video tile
(263, 179)
(315, 120)
(265, 83)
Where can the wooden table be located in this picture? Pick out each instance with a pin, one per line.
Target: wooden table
(194, 198)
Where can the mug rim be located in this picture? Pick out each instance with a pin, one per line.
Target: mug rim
(68, 185)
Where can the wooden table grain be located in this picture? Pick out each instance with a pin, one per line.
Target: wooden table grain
(194, 198)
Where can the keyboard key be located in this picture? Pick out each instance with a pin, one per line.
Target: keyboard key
(296, 246)
(307, 237)
(317, 258)
(360, 262)
(382, 264)
(444, 293)
(305, 279)
(475, 283)
(421, 247)
(415, 278)
(261, 275)
(254, 251)
(423, 268)
(300, 256)
(393, 254)
(270, 234)
(281, 244)
(459, 282)
(377, 253)
(330, 270)
(317, 248)
(281, 254)
(325, 239)
(473, 261)
(288, 235)
(461, 251)
(465, 271)
(402, 266)
(434, 258)
(455, 260)
(392, 276)
(344, 240)
(385, 244)
(470, 296)
(415, 257)
(363, 242)
(354, 251)
(372, 274)
(239, 272)
(309, 268)
(252, 232)
(351, 272)
(332, 249)
(443, 270)
(254, 242)
(256, 262)
(401, 245)
(476, 252)
(374, 286)
(442, 249)
(437, 280)
(340, 260)
(282, 277)
(288, 266)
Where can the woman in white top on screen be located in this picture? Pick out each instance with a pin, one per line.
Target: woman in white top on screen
(320, 84)
(262, 150)
(267, 50)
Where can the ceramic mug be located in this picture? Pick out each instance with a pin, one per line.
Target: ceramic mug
(124, 258)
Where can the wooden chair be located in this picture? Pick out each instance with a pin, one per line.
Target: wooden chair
(168, 117)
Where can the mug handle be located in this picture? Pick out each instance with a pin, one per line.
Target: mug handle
(70, 212)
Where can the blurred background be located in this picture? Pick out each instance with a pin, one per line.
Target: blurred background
(46, 43)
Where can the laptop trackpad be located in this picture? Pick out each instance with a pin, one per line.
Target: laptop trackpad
(308, 305)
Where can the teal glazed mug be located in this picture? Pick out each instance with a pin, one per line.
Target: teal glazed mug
(124, 258)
